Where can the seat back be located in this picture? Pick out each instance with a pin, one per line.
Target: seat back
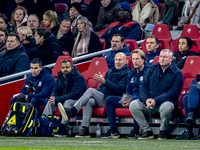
(103, 43)
(162, 32)
(191, 31)
(65, 53)
(132, 44)
(129, 62)
(60, 8)
(155, 60)
(97, 65)
(131, 5)
(57, 66)
(174, 45)
(102, 32)
(87, 2)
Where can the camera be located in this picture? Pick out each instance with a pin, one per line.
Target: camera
(30, 87)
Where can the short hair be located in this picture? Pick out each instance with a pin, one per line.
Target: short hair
(122, 38)
(33, 15)
(154, 37)
(43, 31)
(15, 35)
(66, 61)
(3, 16)
(65, 18)
(36, 61)
(5, 31)
(139, 51)
(25, 30)
(189, 41)
(167, 50)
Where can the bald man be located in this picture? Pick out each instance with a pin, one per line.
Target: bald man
(114, 83)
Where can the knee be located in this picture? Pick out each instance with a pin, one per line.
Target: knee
(34, 101)
(134, 106)
(109, 100)
(166, 109)
(90, 103)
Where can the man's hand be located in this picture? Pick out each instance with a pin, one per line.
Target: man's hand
(99, 78)
(126, 104)
(52, 100)
(150, 103)
(181, 24)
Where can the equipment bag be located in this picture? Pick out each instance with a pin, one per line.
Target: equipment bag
(20, 120)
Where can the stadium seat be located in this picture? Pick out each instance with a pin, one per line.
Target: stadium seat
(155, 60)
(60, 8)
(65, 53)
(87, 2)
(102, 32)
(132, 44)
(132, 4)
(129, 62)
(103, 43)
(174, 45)
(123, 112)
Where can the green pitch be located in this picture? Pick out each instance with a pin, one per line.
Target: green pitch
(51, 143)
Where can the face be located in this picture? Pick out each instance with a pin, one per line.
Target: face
(116, 43)
(151, 45)
(120, 60)
(123, 13)
(18, 1)
(35, 69)
(66, 68)
(182, 45)
(46, 21)
(138, 62)
(73, 1)
(143, 2)
(81, 26)
(165, 59)
(105, 3)
(65, 26)
(38, 39)
(2, 37)
(19, 15)
(32, 22)
(73, 13)
(21, 36)
(2, 23)
(12, 43)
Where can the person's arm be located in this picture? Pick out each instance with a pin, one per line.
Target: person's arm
(22, 64)
(100, 21)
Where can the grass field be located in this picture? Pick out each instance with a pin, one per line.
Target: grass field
(51, 143)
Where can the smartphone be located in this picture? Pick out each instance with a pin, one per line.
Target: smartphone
(198, 81)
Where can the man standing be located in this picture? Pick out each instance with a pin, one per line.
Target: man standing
(114, 83)
(33, 22)
(159, 92)
(117, 45)
(3, 37)
(69, 87)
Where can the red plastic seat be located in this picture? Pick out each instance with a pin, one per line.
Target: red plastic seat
(155, 60)
(103, 43)
(87, 2)
(132, 4)
(60, 8)
(65, 53)
(132, 44)
(129, 62)
(102, 32)
(174, 45)
(124, 112)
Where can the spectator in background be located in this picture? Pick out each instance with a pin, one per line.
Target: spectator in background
(152, 45)
(125, 26)
(3, 38)
(15, 60)
(26, 38)
(146, 12)
(64, 35)
(117, 45)
(185, 49)
(5, 24)
(107, 14)
(33, 22)
(49, 19)
(86, 41)
(84, 7)
(93, 11)
(19, 17)
(61, 1)
(49, 49)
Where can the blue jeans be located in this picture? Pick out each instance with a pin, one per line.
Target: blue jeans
(112, 102)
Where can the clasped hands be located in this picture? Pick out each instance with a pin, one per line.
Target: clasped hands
(99, 77)
(150, 102)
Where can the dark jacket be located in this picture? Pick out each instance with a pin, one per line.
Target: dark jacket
(71, 87)
(160, 86)
(110, 56)
(129, 30)
(3, 49)
(49, 51)
(43, 84)
(14, 61)
(179, 59)
(31, 48)
(115, 82)
(66, 41)
(10, 27)
(94, 43)
(150, 57)
(134, 80)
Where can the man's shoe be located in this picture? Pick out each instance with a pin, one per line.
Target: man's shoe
(186, 135)
(190, 119)
(65, 112)
(83, 133)
(133, 134)
(147, 135)
(61, 132)
(111, 134)
(162, 135)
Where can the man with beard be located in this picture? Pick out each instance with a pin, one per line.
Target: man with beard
(69, 87)
(128, 28)
(3, 38)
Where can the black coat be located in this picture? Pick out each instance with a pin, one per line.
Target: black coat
(71, 87)
(31, 49)
(160, 86)
(66, 41)
(14, 61)
(49, 51)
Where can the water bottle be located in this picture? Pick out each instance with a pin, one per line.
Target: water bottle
(98, 131)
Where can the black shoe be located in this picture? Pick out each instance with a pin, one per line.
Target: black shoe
(162, 135)
(133, 134)
(65, 112)
(111, 134)
(61, 132)
(187, 135)
(147, 135)
(84, 133)
(190, 119)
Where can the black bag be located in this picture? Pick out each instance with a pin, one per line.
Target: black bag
(20, 120)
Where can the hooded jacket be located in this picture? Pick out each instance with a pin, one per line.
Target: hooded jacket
(43, 84)
(49, 51)
(179, 59)
(110, 56)
(31, 48)
(14, 61)
(150, 57)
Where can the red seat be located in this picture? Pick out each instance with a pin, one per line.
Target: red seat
(102, 32)
(60, 8)
(103, 43)
(129, 62)
(65, 53)
(132, 4)
(132, 44)
(123, 112)
(87, 2)
(174, 45)
(155, 60)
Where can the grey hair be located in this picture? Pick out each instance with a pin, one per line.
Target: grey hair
(167, 50)
(33, 15)
(86, 21)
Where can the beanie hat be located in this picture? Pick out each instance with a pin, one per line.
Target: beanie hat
(77, 6)
(125, 5)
